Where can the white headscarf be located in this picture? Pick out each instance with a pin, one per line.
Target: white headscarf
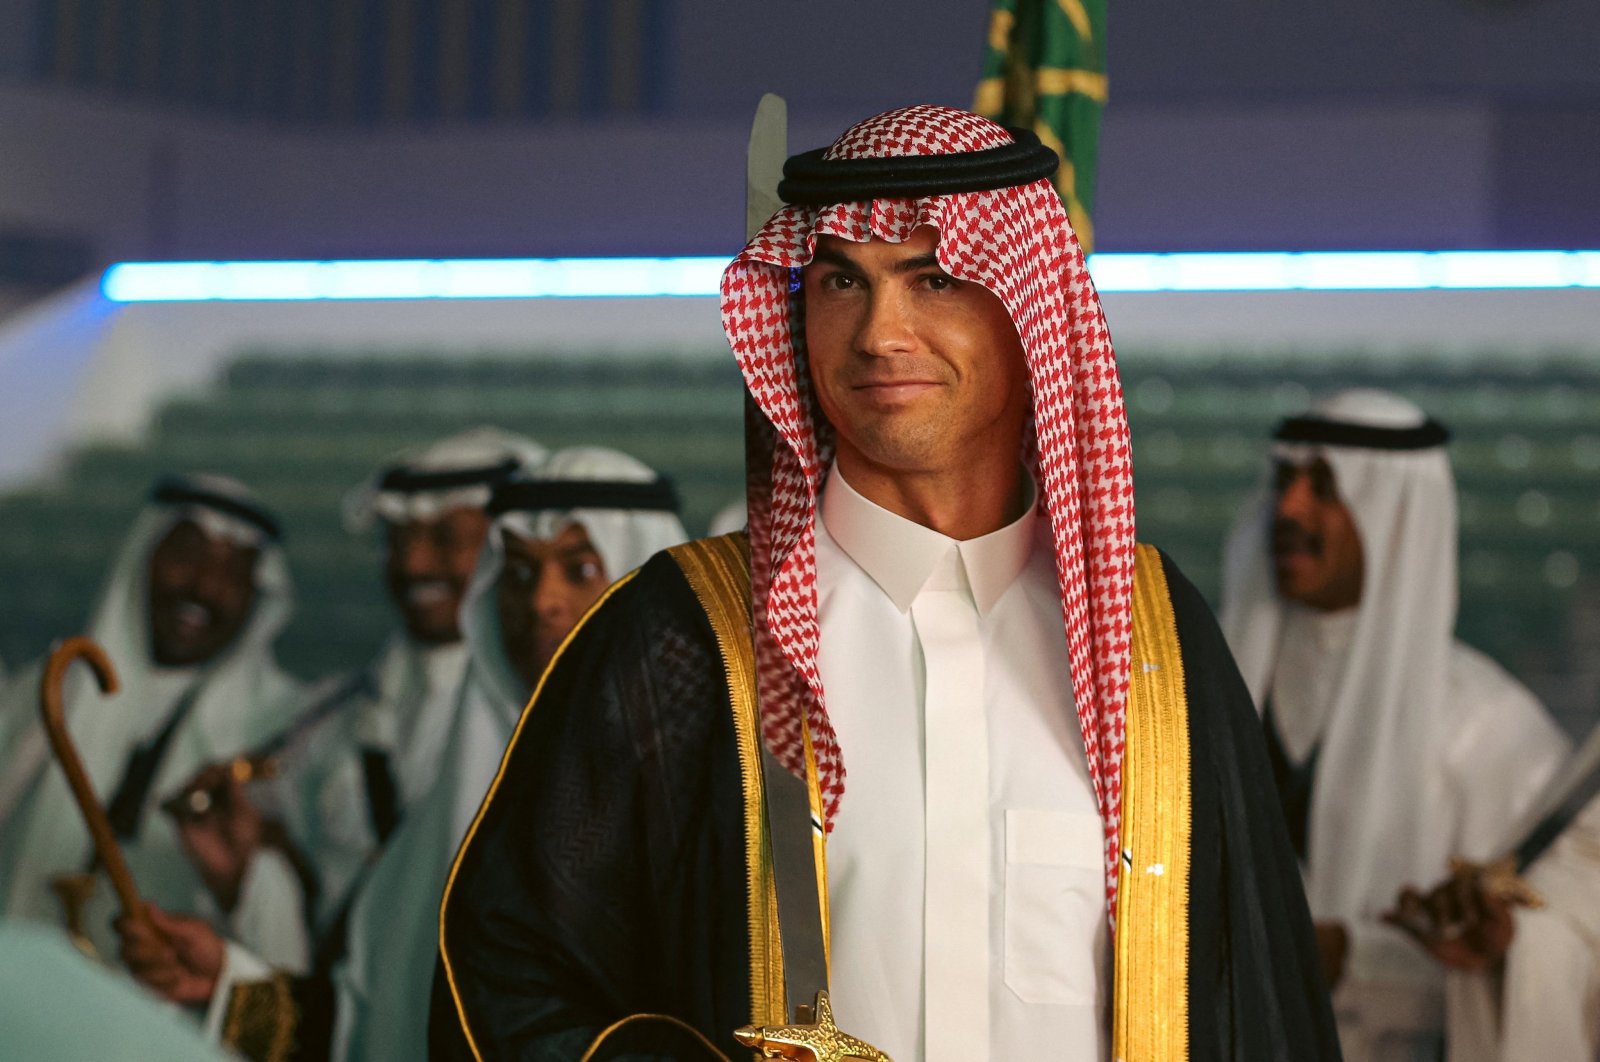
(384, 982)
(415, 484)
(1380, 718)
(244, 698)
(418, 682)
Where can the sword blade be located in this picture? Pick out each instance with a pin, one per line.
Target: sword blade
(1576, 783)
(794, 869)
(769, 146)
(787, 797)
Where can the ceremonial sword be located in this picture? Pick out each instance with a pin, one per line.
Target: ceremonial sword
(195, 801)
(1564, 799)
(790, 825)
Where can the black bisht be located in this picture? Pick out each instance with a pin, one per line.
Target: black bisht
(607, 876)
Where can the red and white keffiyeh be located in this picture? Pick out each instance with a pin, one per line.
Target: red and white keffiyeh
(1018, 243)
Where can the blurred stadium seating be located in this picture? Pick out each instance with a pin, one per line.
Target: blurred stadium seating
(304, 428)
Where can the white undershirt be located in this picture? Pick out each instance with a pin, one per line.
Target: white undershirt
(1045, 970)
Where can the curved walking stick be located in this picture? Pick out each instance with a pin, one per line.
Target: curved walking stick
(55, 725)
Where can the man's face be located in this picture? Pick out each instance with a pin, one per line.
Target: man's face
(1316, 550)
(545, 588)
(916, 370)
(201, 592)
(428, 567)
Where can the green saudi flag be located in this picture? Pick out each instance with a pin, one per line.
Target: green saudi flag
(1045, 69)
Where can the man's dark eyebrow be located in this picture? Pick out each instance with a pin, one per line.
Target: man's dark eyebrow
(835, 257)
(921, 261)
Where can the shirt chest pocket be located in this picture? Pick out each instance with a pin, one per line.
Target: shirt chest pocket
(1054, 905)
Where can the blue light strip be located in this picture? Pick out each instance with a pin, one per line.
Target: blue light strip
(542, 278)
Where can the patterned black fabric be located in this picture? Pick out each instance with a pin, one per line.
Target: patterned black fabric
(607, 876)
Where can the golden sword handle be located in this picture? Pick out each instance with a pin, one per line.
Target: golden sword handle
(196, 801)
(1500, 880)
(819, 1040)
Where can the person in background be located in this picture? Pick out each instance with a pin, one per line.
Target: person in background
(588, 517)
(557, 538)
(362, 749)
(189, 615)
(1395, 746)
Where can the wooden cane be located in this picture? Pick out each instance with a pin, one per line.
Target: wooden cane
(55, 725)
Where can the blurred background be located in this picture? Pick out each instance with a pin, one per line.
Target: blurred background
(223, 130)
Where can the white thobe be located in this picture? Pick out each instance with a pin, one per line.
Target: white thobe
(212, 730)
(1497, 752)
(323, 795)
(1545, 1003)
(1045, 967)
(324, 800)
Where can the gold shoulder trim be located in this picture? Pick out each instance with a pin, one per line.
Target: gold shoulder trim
(718, 571)
(1151, 981)
(455, 867)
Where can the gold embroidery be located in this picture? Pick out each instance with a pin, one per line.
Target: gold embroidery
(819, 842)
(1078, 15)
(261, 1020)
(1062, 81)
(1001, 22)
(821, 1040)
(1151, 1020)
(718, 571)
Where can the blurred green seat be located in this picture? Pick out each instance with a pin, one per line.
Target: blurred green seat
(303, 427)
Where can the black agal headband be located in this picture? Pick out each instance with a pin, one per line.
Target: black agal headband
(180, 490)
(403, 479)
(540, 495)
(1325, 432)
(809, 179)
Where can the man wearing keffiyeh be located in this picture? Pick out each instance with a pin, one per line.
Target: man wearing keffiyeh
(1056, 837)
(1396, 747)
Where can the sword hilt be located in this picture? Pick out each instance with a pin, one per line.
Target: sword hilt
(197, 801)
(1500, 880)
(813, 1037)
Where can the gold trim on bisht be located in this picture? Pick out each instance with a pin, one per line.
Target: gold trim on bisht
(1151, 1018)
(718, 571)
(660, 1019)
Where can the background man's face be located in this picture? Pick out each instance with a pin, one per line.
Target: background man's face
(201, 593)
(545, 588)
(915, 370)
(1316, 550)
(428, 568)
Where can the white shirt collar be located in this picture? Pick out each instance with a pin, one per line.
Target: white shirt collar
(900, 555)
